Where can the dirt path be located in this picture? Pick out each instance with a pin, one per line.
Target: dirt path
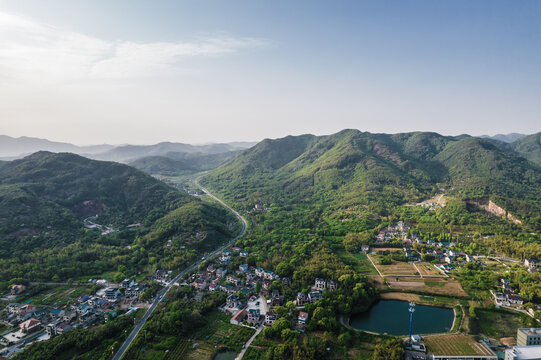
(419, 271)
(241, 354)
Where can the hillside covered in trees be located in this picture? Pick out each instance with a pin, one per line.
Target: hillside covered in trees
(46, 198)
(377, 172)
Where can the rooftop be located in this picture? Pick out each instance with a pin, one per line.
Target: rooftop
(530, 331)
(531, 352)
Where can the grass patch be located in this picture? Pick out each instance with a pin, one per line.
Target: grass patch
(498, 324)
(359, 262)
(435, 283)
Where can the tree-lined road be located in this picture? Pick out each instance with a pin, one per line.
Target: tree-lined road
(159, 297)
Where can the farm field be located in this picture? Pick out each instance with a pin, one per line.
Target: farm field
(55, 296)
(217, 333)
(448, 287)
(396, 268)
(427, 269)
(455, 345)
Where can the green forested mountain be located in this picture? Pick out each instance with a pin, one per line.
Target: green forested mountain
(529, 147)
(181, 163)
(45, 197)
(353, 168)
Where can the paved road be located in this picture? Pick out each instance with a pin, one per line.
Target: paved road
(189, 269)
(263, 308)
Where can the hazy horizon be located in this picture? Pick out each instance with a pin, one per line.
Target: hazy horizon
(238, 141)
(136, 72)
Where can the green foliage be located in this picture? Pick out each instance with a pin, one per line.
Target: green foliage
(45, 196)
(391, 349)
(529, 147)
(354, 241)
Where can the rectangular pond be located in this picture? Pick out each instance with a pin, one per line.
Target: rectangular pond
(392, 317)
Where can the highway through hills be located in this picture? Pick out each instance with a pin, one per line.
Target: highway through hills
(160, 296)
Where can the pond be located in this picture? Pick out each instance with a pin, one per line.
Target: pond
(228, 355)
(392, 317)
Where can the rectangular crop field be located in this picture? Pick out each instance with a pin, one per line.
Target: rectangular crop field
(456, 345)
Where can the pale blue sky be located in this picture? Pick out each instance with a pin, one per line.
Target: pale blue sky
(97, 71)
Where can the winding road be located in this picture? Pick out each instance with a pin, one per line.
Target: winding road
(159, 297)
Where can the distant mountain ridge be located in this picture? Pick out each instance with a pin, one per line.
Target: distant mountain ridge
(130, 153)
(508, 138)
(15, 148)
(11, 147)
(179, 163)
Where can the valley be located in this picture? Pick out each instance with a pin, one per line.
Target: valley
(329, 226)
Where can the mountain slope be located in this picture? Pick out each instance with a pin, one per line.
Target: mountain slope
(352, 168)
(529, 147)
(45, 196)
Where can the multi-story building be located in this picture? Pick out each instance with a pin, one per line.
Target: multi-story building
(528, 336)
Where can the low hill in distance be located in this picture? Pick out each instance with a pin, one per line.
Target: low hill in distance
(15, 148)
(508, 138)
(129, 153)
(178, 163)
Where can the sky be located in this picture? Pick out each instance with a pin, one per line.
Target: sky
(141, 72)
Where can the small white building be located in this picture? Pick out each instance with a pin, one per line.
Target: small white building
(523, 353)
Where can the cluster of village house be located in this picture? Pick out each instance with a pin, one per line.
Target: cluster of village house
(507, 296)
(441, 251)
(245, 279)
(244, 312)
(31, 321)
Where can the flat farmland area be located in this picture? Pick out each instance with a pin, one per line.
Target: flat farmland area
(396, 268)
(455, 345)
(377, 250)
(427, 269)
(434, 286)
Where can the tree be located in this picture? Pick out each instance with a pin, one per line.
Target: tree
(119, 276)
(472, 312)
(289, 335)
(354, 241)
(390, 349)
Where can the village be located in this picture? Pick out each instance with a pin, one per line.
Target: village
(28, 322)
(445, 258)
(251, 296)
(252, 292)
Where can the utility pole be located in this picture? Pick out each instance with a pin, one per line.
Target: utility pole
(411, 310)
